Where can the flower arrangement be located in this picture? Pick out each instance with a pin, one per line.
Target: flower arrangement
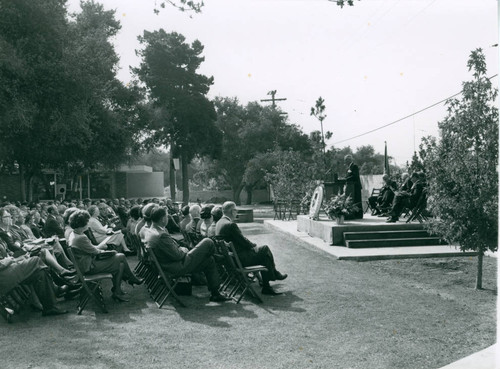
(340, 205)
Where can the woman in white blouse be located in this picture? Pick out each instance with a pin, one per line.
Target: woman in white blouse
(100, 232)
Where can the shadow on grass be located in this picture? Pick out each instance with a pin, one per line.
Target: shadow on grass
(212, 314)
(282, 302)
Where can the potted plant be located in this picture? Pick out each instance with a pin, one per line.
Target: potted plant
(340, 206)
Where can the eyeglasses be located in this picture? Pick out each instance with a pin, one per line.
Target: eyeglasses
(6, 216)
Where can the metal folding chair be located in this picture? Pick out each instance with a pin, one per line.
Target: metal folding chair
(13, 301)
(164, 285)
(91, 286)
(241, 277)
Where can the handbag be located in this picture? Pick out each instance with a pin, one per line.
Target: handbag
(105, 254)
(184, 287)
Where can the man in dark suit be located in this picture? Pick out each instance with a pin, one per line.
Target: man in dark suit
(352, 177)
(248, 252)
(52, 227)
(407, 184)
(383, 201)
(406, 198)
(178, 261)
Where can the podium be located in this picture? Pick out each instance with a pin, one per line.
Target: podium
(337, 188)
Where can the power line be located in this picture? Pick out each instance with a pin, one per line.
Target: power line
(400, 119)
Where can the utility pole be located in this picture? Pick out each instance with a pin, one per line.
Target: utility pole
(273, 99)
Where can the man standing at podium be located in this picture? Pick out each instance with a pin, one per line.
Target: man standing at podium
(352, 180)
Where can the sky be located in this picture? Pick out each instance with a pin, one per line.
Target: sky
(373, 63)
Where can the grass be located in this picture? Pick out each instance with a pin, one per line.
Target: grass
(415, 313)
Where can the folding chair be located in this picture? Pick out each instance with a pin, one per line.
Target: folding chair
(418, 212)
(13, 301)
(242, 277)
(375, 192)
(279, 209)
(140, 268)
(164, 285)
(91, 286)
(187, 239)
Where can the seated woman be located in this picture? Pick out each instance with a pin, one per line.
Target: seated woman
(16, 245)
(186, 218)
(86, 256)
(31, 271)
(101, 233)
(216, 215)
(135, 214)
(33, 221)
(67, 229)
(206, 219)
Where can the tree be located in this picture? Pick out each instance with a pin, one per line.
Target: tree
(462, 167)
(60, 104)
(341, 3)
(248, 131)
(292, 175)
(318, 111)
(182, 5)
(168, 70)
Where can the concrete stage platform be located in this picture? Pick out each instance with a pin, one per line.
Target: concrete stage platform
(329, 231)
(290, 230)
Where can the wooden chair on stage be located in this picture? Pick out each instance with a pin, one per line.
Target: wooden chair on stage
(91, 286)
(419, 212)
(375, 192)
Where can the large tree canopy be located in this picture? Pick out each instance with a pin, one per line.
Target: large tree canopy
(168, 70)
(248, 131)
(60, 102)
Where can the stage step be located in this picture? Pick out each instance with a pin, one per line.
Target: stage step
(393, 242)
(374, 235)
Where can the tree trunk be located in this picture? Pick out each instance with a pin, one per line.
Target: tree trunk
(22, 182)
(172, 176)
(479, 276)
(185, 180)
(249, 195)
(236, 194)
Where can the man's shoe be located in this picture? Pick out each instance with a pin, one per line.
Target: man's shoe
(219, 298)
(61, 290)
(54, 311)
(280, 277)
(70, 295)
(391, 220)
(268, 290)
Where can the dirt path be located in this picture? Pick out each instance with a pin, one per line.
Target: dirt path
(334, 314)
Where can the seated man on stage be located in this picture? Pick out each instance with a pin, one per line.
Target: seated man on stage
(406, 199)
(178, 261)
(248, 252)
(383, 202)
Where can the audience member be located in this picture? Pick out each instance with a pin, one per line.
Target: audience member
(100, 232)
(87, 256)
(178, 261)
(186, 218)
(406, 198)
(216, 215)
(248, 252)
